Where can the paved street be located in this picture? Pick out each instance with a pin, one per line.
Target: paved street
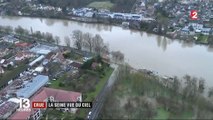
(102, 95)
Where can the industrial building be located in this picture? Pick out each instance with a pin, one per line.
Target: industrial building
(43, 49)
(32, 86)
(46, 94)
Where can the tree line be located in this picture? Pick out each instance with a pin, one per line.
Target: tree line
(88, 41)
(143, 92)
(81, 41)
(25, 33)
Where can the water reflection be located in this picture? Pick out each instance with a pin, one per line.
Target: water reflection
(49, 22)
(159, 38)
(210, 48)
(187, 44)
(65, 23)
(41, 20)
(164, 44)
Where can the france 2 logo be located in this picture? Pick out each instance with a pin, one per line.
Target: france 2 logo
(194, 15)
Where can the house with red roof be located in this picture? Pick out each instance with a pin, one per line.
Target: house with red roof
(59, 57)
(44, 95)
(23, 44)
(23, 55)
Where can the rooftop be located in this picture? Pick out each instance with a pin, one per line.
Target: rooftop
(43, 94)
(43, 49)
(6, 108)
(32, 86)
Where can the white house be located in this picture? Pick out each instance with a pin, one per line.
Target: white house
(196, 26)
(206, 31)
(1, 70)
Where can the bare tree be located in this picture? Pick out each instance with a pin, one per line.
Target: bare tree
(191, 88)
(77, 36)
(67, 41)
(38, 35)
(49, 37)
(117, 56)
(19, 30)
(98, 43)
(88, 41)
(57, 40)
(201, 85)
(210, 93)
(176, 86)
(8, 29)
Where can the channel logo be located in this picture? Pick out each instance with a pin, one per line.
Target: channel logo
(24, 105)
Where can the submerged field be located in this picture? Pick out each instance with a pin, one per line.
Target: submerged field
(138, 95)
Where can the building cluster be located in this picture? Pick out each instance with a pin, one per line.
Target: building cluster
(179, 14)
(195, 28)
(32, 81)
(93, 13)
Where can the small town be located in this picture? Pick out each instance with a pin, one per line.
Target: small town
(170, 18)
(42, 71)
(136, 59)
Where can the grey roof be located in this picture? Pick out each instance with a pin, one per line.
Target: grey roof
(31, 87)
(206, 29)
(43, 49)
(37, 60)
(185, 29)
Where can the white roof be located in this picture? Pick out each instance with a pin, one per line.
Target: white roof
(15, 100)
(2, 61)
(37, 60)
(39, 69)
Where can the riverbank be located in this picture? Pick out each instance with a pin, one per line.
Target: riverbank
(133, 26)
(141, 50)
(138, 95)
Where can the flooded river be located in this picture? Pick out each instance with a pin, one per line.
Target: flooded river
(142, 50)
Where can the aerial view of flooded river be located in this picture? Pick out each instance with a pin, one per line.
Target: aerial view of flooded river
(141, 50)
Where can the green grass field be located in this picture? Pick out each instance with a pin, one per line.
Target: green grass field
(203, 39)
(101, 5)
(162, 114)
(12, 74)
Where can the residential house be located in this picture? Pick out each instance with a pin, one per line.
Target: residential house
(23, 55)
(10, 39)
(196, 26)
(48, 94)
(185, 31)
(7, 108)
(59, 57)
(95, 65)
(1, 70)
(76, 65)
(7, 63)
(206, 31)
(23, 45)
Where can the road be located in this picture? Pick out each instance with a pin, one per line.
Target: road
(100, 99)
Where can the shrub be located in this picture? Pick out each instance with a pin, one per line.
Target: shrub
(61, 84)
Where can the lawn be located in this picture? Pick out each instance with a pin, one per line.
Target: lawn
(12, 74)
(92, 95)
(89, 82)
(162, 114)
(100, 85)
(203, 39)
(56, 114)
(101, 5)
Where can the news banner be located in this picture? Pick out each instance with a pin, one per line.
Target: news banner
(61, 104)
